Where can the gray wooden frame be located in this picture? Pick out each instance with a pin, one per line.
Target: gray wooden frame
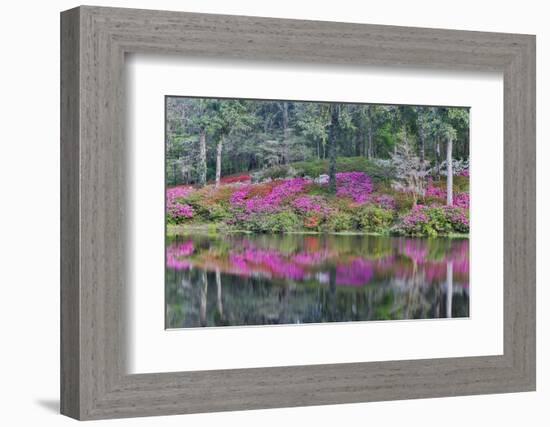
(94, 41)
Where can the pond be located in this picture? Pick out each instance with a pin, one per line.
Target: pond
(247, 279)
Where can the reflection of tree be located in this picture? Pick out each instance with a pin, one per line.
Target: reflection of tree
(449, 289)
(314, 279)
(219, 293)
(203, 295)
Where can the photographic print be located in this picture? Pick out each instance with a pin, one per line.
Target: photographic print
(295, 212)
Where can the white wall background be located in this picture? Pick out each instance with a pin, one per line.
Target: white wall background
(29, 212)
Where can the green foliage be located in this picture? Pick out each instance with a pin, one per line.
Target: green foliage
(279, 222)
(258, 133)
(461, 184)
(374, 219)
(403, 201)
(312, 168)
(340, 221)
(315, 168)
(219, 212)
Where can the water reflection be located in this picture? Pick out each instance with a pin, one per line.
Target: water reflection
(278, 279)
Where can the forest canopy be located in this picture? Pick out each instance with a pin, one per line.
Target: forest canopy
(211, 138)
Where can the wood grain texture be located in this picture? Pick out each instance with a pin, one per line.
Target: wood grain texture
(70, 264)
(94, 382)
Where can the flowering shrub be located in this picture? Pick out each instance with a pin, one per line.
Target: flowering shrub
(356, 185)
(176, 210)
(238, 198)
(243, 178)
(270, 202)
(311, 204)
(433, 221)
(433, 191)
(385, 201)
(462, 200)
(312, 221)
(293, 204)
(458, 218)
(414, 222)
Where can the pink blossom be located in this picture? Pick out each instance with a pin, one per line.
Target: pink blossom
(174, 207)
(462, 200)
(356, 185)
(309, 204)
(385, 201)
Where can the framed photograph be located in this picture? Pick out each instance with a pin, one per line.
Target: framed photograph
(262, 213)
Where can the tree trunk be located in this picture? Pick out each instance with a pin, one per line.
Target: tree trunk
(437, 160)
(219, 161)
(219, 292)
(449, 171)
(318, 150)
(202, 158)
(286, 133)
(203, 297)
(332, 147)
(449, 308)
(422, 149)
(369, 151)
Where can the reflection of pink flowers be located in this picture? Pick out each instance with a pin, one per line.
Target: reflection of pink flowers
(416, 250)
(268, 262)
(311, 258)
(358, 273)
(177, 254)
(406, 259)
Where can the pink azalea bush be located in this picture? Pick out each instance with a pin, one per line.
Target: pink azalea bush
(176, 210)
(298, 204)
(433, 191)
(271, 202)
(311, 204)
(355, 185)
(433, 221)
(385, 201)
(462, 200)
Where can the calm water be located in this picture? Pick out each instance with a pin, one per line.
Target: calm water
(281, 279)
